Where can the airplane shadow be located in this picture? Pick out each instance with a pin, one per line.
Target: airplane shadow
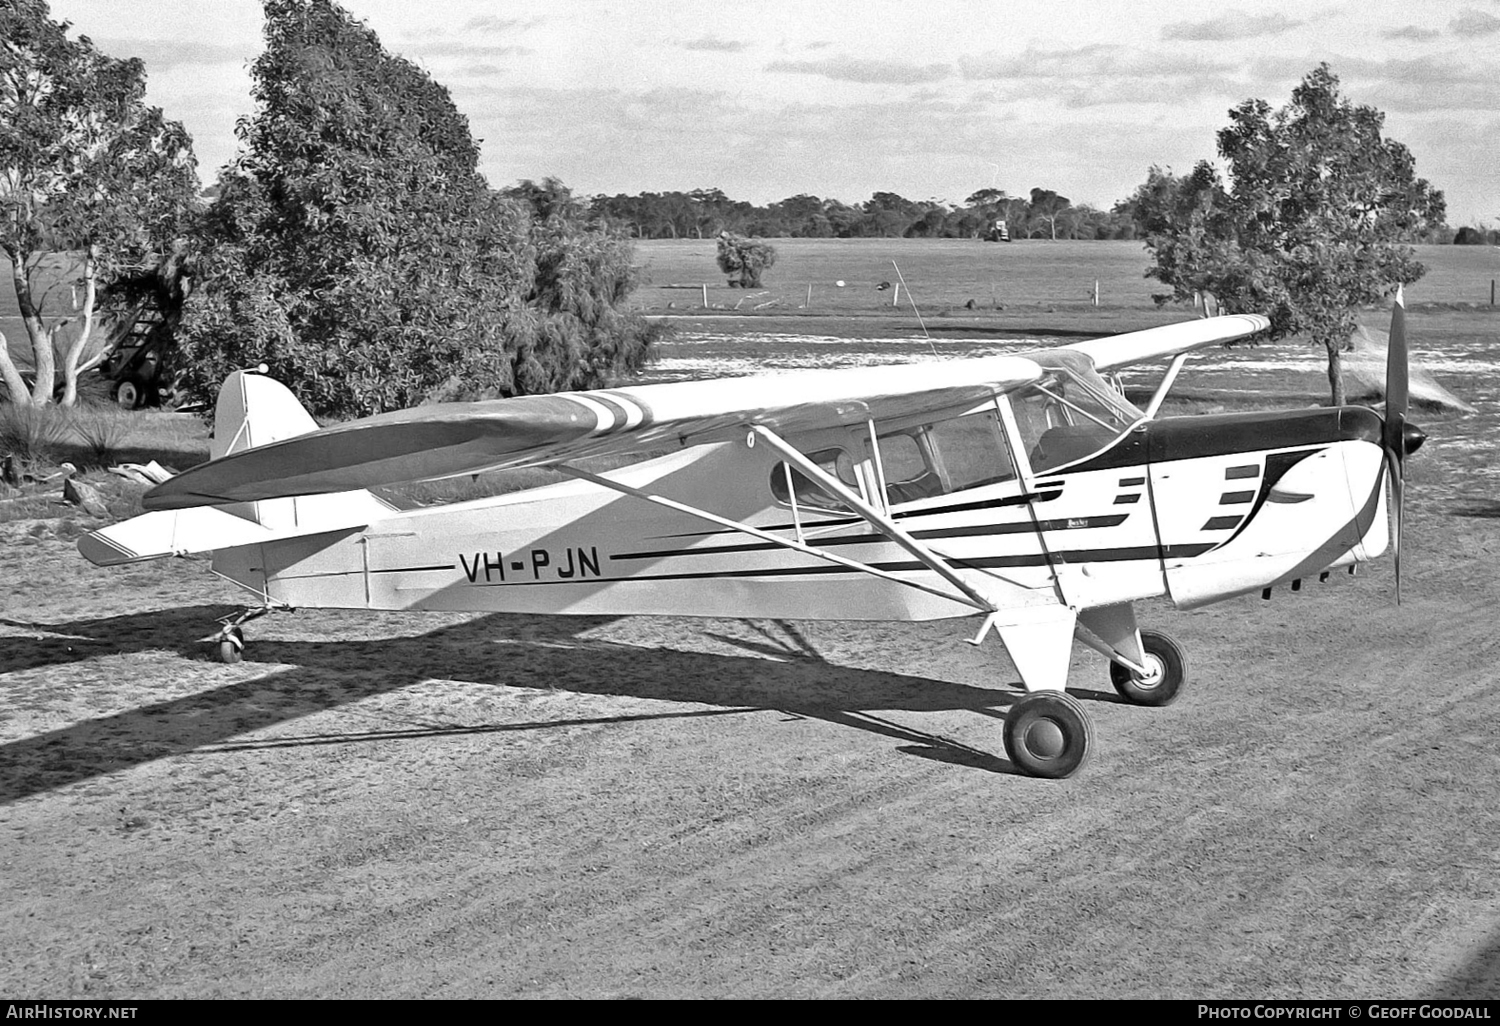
(1484, 509)
(1477, 979)
(171, 630)
(531, 651)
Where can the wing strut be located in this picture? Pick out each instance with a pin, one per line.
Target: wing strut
(884, 524)
(967, 598)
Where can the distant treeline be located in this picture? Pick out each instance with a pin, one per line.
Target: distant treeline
(1043, 214)
(703, 213)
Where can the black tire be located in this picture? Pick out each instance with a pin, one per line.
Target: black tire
(1048, 734)
(129, 394)
(230, 649)
(1167, 659)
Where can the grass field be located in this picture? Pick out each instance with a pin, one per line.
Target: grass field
(943, 275)
(448, 805)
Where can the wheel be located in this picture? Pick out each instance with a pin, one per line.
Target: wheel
(128, 394)
(231, 647)
(1047, 734)
(1168, 665)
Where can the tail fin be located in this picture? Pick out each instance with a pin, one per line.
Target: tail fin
(252, 410)
(255, 410)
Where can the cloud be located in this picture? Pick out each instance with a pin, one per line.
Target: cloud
(490, 23)
(1230, 26)
(1415, 33)
(1097, 63)
(1422, 84)
(166, 54)
(1474, 23)
(865, 70)
(713, 45)
(620, 141)
(474, 51)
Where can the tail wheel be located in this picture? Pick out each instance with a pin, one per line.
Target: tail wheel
(230, 648)
(1047, 734)
(1166, 664)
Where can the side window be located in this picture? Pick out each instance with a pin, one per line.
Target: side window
(910, 470)
(945, 456)
(901, 457)
(973, 451)
(835, 462)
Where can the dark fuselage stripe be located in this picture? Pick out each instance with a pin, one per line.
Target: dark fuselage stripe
(1142, 552)
(871, 537)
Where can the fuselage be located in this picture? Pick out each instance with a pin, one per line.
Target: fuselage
(1029, 501)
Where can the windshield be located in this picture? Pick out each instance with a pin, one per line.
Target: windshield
(1070, 414)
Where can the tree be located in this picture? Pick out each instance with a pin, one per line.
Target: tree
(889, 215)
(92, 180)
(1311, 226)
(745, 258)
(357, 251)
(1047, 205)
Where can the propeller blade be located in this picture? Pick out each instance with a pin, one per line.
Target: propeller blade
(1397, 396)
(1398, 499)
(1394, 433)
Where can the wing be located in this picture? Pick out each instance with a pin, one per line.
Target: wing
(1167, 340)
(453, 439)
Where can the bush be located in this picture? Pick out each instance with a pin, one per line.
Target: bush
(746, 258)
(1470, 236)
(32, 434)
(103, 431)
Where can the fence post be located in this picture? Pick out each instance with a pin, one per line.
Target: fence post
(705, 295)
(896, 294)
(809, 294)
(1096, 291)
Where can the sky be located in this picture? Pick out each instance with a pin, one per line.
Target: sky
(767, 99)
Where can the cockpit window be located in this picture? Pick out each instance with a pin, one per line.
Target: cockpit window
(945, 456)
(1069, 415)
(835, 462)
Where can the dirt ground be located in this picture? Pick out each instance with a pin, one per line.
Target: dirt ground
(455, 806)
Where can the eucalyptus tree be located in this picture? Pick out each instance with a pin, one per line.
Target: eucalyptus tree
(93, 181)
(1312, 225)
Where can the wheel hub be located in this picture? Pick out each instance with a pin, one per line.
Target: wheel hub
(1155, 671)
(1045, 739)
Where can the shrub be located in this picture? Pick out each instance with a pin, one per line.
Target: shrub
(32, 434)
(103, 431)
(744, 258)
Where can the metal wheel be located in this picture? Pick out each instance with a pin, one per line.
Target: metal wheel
(129, 394)
(1047, 734)
(1168, 665)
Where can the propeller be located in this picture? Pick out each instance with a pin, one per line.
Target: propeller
(1398, 438)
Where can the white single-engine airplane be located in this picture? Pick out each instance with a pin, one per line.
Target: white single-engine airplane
(1022, 489)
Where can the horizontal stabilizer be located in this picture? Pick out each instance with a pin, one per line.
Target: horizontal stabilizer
(179, 532)
(253, 410)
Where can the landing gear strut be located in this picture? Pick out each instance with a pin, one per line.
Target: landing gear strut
(1048, 734)
(1167, 676)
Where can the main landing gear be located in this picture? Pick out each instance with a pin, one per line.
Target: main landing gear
(1167, 663)
(1048, 733)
